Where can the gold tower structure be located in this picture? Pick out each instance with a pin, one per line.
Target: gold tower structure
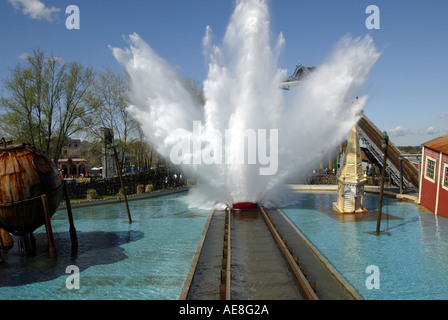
(351, 178)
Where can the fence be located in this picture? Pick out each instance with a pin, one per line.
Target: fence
(106, 187)
(332, 179)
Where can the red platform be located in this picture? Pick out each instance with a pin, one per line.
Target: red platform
(244, 206)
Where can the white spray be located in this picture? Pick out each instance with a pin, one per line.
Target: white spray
(242, 98)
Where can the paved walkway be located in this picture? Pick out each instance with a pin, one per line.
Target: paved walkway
(392, 192)
(100, 202)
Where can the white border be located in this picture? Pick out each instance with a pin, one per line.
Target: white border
(438, 183)
(426, 167)
(445, 166)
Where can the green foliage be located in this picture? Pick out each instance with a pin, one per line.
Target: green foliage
(149, 188)
(140, 188)
(120, 191)
(92, 194)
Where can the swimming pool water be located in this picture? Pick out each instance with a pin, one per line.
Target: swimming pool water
(411, 254)
(147, 259)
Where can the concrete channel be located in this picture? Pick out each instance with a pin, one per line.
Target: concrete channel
(204, 278)
(259, 271)
(329, 283)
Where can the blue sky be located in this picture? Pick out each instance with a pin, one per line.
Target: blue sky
(408, 86)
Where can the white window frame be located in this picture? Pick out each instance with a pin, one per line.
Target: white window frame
(445, 176)
(433, 180)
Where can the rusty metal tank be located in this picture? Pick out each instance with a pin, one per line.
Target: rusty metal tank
(26, 174)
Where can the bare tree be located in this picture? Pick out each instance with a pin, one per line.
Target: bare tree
(109, 101)
(46, 102)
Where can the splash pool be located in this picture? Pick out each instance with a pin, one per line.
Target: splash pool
(411, 255)
(150, 258)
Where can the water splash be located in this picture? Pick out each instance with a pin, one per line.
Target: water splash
(242, 93)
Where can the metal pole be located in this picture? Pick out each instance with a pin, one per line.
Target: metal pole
(122, 185)
(419, 173)
(401, 175)
(73, 236)
(383, 175)
(52, 249)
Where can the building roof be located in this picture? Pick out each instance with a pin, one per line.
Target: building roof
(439, 144)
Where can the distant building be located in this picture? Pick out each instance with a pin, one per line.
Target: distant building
(433, 193)
(73, 167)
(73, 163)
(74, 144)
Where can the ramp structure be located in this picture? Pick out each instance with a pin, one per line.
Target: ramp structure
(401, 171)
(296, 78)
(399, 168)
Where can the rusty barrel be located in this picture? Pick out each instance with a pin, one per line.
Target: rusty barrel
(26, 173)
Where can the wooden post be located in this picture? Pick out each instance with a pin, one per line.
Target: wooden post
(122, 185)
(73, 236)
(52, 249)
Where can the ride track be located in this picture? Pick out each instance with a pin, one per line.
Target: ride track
(256, 261)
(307, 289)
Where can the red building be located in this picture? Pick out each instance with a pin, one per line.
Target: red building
(434, 176)
(72, 168)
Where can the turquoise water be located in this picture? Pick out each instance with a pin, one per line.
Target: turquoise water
(148, 259)
(411, 254)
